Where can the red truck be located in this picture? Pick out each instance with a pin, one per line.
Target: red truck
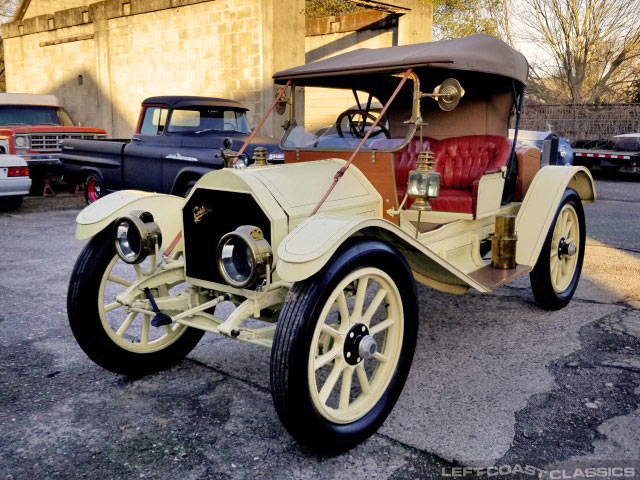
(35, 126)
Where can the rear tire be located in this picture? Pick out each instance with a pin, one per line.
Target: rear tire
(303, 342)
(93, 188)
(87, 312)
(555, 276)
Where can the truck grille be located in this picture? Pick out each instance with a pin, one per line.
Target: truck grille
(50, 142)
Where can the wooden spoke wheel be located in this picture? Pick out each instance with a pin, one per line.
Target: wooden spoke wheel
(555, 276)
(119, 340)
(343, 347)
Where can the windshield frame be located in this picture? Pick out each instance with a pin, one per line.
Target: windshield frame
(412, 122)
(201, 129)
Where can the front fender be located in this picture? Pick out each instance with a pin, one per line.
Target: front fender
(308, 248)
(166, 210)
(541, 203)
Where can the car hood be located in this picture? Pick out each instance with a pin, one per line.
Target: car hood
(50, 129)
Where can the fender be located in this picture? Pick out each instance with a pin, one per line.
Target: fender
(193, 172)
(166, 210)
(541, 203)
(312, 243)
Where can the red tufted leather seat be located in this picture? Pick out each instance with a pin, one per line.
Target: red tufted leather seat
(461, 162)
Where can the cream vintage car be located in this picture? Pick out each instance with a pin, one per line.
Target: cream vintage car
(319, 257)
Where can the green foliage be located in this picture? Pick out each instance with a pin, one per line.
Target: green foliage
(326, 8)
(460, 18)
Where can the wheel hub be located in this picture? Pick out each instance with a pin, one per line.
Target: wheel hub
(565, 248)
(359, 345)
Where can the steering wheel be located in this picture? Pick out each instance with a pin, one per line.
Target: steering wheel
(358, 128)
(233, 127)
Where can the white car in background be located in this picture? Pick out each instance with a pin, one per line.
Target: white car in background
(14, 181)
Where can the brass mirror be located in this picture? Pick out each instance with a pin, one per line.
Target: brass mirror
(447, 94)
(281, 105)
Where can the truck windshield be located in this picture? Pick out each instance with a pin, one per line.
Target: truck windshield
(34, 115)
(208, 119)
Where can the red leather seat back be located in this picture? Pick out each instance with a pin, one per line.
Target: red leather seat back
(461, 161)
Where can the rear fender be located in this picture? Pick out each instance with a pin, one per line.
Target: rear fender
(166, 210)
(541, 203)
(309, 247)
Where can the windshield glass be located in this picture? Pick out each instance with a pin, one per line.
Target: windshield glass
(34, 115)
(208, 119)
(342, 123)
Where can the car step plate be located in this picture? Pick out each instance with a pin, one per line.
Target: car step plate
(492, 278)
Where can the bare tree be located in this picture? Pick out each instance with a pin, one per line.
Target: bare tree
(594, 47)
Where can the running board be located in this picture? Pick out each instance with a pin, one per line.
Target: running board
(492, 278)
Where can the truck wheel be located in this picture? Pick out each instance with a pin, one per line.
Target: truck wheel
(93, 189)
(343, 347)
(120, 342)
(555, 276)
(187, 187)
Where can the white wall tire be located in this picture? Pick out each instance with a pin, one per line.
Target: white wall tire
(328, 400)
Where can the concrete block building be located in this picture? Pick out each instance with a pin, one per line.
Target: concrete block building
(102, 58)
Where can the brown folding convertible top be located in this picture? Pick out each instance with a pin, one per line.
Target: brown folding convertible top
(477, 53)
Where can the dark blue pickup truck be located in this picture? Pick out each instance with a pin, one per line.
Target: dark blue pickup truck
(178, 139)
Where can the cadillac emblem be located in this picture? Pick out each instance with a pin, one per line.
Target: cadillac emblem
(199, 213)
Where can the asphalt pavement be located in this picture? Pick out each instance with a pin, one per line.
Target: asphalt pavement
(498, 387)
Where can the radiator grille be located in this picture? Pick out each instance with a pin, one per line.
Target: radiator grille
(50, 142)
(226, 212)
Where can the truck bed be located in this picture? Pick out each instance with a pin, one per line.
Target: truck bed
(606, 158)
(79, 156)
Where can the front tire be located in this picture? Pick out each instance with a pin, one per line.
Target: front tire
(555, 276)
(120, 342)
(365, 292)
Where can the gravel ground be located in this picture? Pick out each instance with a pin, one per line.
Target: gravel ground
(498, 387)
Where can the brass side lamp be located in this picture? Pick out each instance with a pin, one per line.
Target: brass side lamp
(424, 182)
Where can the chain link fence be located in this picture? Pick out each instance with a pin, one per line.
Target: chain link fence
(583, 122)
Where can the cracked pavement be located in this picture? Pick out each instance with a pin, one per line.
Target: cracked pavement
(495, 380)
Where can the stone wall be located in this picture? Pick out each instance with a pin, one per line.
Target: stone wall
(34, 8)
(103, 60)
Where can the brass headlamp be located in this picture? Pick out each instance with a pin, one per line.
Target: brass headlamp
(424, 181)
(243, 256)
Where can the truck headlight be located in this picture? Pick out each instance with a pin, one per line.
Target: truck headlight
(243, 256)
(136, 236)
(276, 157)
(20, 141)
